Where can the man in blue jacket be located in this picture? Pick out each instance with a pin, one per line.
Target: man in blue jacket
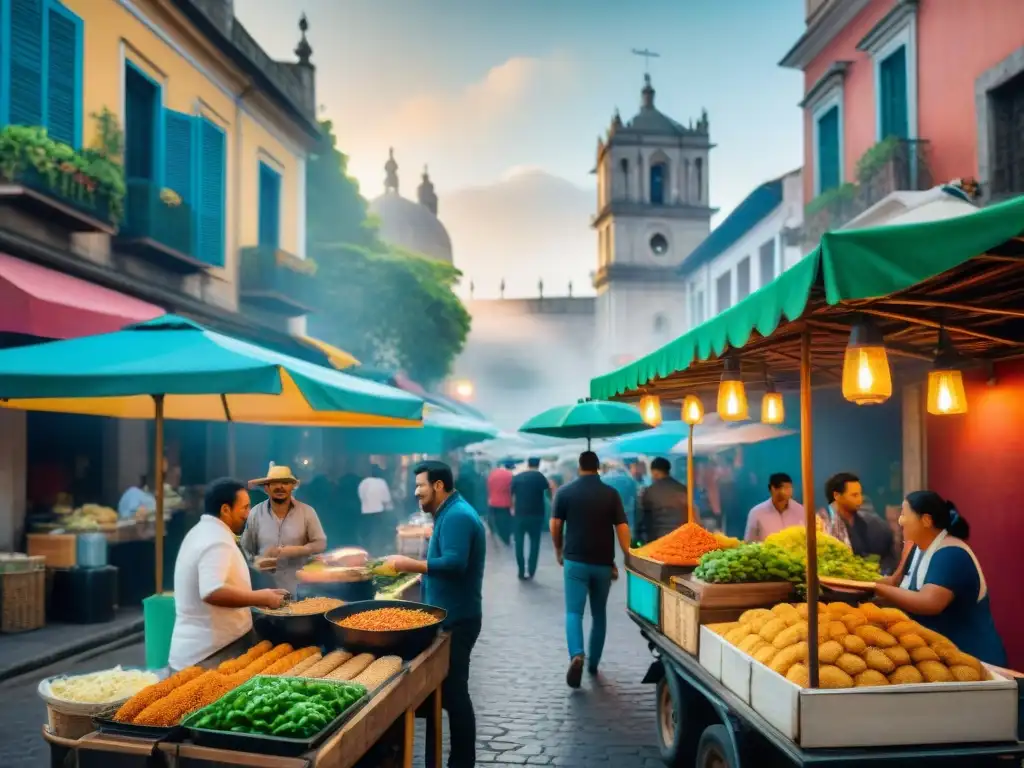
(453, 580)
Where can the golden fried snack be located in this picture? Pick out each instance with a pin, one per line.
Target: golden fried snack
(185, 700)
(152, 693)
(870, 677)
(854, 645)
(302, 666)
(923, 653)
(901, 628)
(829, 651)
(899, 655)
(835, 629)
(912, 640)
(770, 630)
(833, 677)
(878, 660)
(935, 672)
(285, 663)
(791, 635)
(787, 657)
(765, 654)
(798, 674)
(892, 616)
(247, 658)
(906, 675)
(875, 637)
(964, 674)
(853, 620)
(754, 613)
(329, 663)
(851, 665)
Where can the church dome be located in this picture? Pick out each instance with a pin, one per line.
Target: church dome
(411, 225)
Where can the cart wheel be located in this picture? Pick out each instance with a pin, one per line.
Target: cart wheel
(715, 749)
(676, 736)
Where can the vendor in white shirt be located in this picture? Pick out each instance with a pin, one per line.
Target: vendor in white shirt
(212, 590)
(375, 500)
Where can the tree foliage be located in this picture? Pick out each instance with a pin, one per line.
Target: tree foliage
(388, 307)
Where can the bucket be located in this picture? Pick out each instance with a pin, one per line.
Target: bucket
(158, 616)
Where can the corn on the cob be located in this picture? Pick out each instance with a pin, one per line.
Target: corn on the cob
(285, 663)
(185, 700)
(328, 664)
(378, 672)
(302, 666)
(352, 667)
(238, 664)
(153, 693)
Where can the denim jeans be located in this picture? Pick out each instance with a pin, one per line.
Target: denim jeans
(583, 580)
(455, 698)
(527, 526)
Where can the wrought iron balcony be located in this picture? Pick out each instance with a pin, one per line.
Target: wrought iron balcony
(277, 281)
(892, 165)
(158, 225)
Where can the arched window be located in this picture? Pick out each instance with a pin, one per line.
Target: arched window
(659, 180)
(698, 170)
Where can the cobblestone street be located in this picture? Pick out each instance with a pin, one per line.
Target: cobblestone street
(526, 715)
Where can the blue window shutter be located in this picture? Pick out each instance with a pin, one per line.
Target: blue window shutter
(64, 75)
(892, 97)
(270, 207)
(828, 150)
(179, 154)
(5, 61)
(210, 203)
(26, 62)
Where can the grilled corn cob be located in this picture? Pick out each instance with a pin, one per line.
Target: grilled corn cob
(351, 668)
(379, 671)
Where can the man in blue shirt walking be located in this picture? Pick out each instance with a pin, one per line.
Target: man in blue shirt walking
(453, 580)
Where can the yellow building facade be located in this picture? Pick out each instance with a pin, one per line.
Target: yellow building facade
(202, 117)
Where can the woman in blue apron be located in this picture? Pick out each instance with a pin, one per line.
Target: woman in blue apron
(940, 582)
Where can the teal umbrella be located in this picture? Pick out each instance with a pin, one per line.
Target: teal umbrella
(588, 419)
(173, 368)
(442, 431)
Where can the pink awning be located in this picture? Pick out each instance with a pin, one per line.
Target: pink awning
(36, 301)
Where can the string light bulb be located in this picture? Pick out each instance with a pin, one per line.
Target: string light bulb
(692, 410)
(650, 410)
(732, 395)
(773, 410)
(867, 379)
(946, 393)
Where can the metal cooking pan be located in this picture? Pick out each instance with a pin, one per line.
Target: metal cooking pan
(300, 631)
(407, 643)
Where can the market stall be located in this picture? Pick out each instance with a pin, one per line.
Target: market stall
(329, 699)
(937, 297)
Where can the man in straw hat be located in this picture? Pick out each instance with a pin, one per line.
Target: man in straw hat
(282, 527)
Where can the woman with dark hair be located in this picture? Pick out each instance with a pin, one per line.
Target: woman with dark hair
(940, 581)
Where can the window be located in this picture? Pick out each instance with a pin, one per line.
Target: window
(698, 172)
(767, 261)
(41, 68)
(697, 309)
(210, 192)
(658, 179)
(1007, 110)
(723, 291)
(142, 109)
(658, 244)
(660, 324)
(270, 207)
(892, 95)
(743, 279)
(827, 127)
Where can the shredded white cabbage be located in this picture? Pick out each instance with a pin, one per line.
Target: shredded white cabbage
(110, 685)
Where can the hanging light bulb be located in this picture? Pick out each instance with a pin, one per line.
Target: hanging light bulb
(946, 394)
(773, 411)
(650, 410)
(867, 379)
(693, 410)
(732, 396)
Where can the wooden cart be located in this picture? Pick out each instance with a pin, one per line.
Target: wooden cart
(392, 710)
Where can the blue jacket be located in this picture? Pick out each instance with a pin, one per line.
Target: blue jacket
(455, 561)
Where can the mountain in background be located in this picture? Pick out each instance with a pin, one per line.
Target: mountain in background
(527, 226)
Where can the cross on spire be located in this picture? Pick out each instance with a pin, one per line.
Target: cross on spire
(647, 56)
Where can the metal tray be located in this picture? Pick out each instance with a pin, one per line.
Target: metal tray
(270, 745)
(172, 733)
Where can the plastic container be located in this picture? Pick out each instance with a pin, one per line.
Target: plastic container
(158, 618)
(91, 550)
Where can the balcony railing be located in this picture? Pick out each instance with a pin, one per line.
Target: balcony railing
(892, 165)
(277, 281)
(159, 225)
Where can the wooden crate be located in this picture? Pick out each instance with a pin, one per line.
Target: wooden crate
(753, 595)
(59, 549)
(22, 601)
(681, 618)
(655, 570)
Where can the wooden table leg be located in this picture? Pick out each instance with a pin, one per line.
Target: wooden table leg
(437, 725)
(409, 739)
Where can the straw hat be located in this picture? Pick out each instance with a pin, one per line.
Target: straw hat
(275, 474)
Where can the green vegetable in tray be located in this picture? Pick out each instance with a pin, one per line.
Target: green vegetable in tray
(750, 563)
(279, 706)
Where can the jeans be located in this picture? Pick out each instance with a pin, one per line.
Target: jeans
(583, 580)
(528, 525)
(455, 698)
(501, 524)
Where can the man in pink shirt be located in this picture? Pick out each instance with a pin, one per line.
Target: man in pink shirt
(499, 502)
(778, 512)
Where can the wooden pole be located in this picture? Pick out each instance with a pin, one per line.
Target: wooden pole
(810, 515)
(690, 514)
(158, 474)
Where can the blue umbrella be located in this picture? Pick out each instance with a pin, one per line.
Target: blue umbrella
(654, 442)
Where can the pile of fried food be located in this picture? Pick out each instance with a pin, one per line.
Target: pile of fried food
(857, 646)
(388, 619)
(169, 702)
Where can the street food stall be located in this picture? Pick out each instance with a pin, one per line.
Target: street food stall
(319, 683)
(732, 626)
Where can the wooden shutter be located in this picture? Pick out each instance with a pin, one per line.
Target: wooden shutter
(179, 154)
(26, 69)
(270, 207)
(210, 202)
(64, 75)
(828, 150)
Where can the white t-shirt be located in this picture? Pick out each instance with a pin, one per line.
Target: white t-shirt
(208, 560)
(374, 495)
